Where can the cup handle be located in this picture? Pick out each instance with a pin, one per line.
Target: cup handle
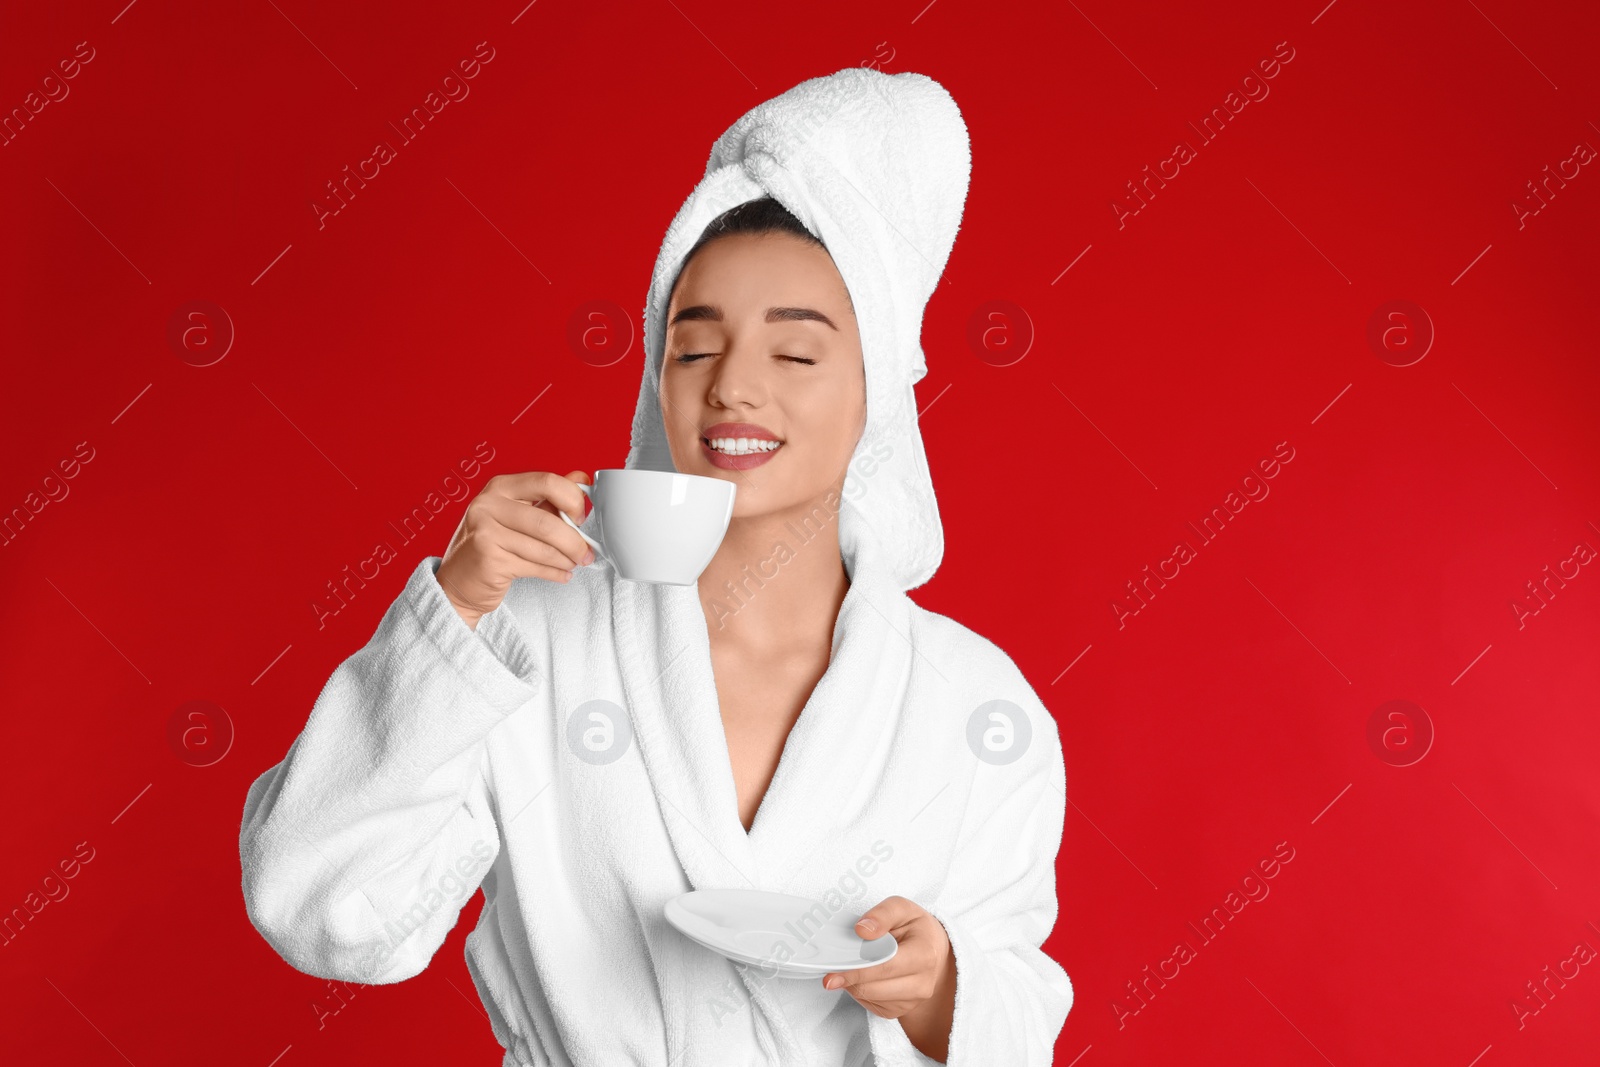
(599, 552)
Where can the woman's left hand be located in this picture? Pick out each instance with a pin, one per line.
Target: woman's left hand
(918, 985)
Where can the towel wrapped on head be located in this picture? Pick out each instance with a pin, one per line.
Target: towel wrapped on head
(875, 166)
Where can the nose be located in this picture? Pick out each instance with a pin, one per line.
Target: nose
(739, 378)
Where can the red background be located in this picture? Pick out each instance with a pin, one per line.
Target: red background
(1228, 315)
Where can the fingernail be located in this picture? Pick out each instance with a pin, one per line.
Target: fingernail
(868, 925)
(588, 557)
(833, 983)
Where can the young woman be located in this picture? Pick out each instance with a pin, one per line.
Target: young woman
(794, 723)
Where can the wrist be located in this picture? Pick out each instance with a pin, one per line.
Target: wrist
(927, 1026)
(468, 615)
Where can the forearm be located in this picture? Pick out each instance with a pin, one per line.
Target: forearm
(383, 790)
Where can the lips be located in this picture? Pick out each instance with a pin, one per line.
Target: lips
(748, 445)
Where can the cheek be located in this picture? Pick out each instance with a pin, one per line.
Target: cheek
(668, 388)
(831, 428)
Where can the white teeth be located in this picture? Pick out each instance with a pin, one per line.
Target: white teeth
(742, 446)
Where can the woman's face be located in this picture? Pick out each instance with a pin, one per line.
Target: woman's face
(760, 332)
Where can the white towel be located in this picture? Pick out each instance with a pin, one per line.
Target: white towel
(437, 759)
(876, 166)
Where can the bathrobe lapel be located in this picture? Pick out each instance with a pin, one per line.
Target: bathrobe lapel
(665, 654)
(833, 756)
(833, 762)
(827, 777)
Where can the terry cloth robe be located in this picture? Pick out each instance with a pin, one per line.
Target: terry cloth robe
(569, 756)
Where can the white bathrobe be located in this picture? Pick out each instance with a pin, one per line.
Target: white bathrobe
(569, 756)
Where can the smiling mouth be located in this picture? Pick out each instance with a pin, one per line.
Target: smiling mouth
(741, 446)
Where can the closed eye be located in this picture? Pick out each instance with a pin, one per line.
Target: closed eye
(690, 357)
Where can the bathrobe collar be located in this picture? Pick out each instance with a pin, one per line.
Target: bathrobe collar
(842, 733)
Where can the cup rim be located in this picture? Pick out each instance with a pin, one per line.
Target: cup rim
(672, 474)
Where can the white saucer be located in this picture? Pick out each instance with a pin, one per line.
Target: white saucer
(755, 927)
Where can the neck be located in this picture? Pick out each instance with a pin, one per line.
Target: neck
(776, 580)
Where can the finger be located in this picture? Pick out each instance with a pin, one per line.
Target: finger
(584, 504)
(886, 1009)
(549, 574)
(903, 963)
(524, 557)
(536, 535)
(888, 915)
(537, 487)
(519, 567)
(901, 992)
(902, 984)
(522, 551)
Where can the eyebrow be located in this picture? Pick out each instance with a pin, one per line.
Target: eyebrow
(712, 313)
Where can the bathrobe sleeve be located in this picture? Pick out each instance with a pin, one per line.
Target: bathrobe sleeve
(998, 906)
(359, 849)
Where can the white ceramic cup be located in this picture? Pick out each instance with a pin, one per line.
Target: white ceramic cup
(657, 526)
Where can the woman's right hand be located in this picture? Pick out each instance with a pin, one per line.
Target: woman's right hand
(501, 537)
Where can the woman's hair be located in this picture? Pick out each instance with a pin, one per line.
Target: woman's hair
(762, 215)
